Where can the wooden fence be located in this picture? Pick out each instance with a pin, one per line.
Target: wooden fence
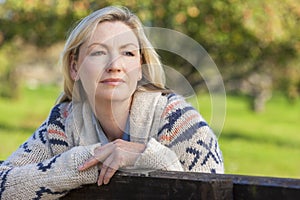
(187, 185)
(180, 185)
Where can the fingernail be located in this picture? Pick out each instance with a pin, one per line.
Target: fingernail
(80, 167)
(106, 181)
(99, 183)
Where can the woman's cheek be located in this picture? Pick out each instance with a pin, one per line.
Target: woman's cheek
(90, 75)
(134, 67)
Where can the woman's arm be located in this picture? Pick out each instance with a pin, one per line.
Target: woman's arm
(33, 171)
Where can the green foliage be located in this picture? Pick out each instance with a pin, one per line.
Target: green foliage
(242, 37)
(39, 22)
(8, 75)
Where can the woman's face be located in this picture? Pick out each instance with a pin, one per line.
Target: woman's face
(109, 64)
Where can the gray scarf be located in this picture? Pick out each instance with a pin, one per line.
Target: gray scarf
(145, 119)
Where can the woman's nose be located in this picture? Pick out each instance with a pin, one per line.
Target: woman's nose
(115, 64)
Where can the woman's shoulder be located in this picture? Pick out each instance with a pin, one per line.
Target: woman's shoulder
(59, 112)
(147, 95)
(58, 138)
(177, 105)
(62, 108)
(160, 99)
(173, 96)
(175, 100)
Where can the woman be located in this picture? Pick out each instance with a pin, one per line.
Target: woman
(115, 114)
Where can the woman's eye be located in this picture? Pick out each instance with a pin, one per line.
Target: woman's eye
(128, 53)
(98, 53)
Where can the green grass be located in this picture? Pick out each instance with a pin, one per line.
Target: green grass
(263, 144)
(19, 118)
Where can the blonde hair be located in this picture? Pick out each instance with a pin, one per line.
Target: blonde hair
(152, 70)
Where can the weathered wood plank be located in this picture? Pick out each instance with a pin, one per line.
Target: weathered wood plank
(180, 185)
(153, 186)
(261, 188)
(249, 187)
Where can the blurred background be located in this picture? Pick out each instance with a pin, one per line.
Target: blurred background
(255, 45)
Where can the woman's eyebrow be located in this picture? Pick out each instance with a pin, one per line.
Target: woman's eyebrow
(129, 44)
(106, 46)
(97, 43)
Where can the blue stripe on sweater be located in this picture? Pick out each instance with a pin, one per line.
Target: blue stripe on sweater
(173, 117)
(188, 133)
(55, 117)
(171, 95)
(42, 135)
(3, 176)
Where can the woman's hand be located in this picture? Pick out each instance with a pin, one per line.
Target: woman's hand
(113, 156)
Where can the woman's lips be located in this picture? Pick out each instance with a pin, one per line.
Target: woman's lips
(112, 81)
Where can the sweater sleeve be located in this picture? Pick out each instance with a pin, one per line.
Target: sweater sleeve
(185, 142)
(34, 172)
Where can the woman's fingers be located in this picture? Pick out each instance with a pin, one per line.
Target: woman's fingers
(100, 154)
(108, 175)
(89, 163)
(108, 169)
(105, 175)
(112, 156)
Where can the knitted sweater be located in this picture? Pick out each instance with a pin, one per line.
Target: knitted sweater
(45, 166)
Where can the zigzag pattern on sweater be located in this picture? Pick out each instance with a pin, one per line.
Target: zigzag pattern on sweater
(41, 134)
(182, 122)
(44, 190)
(44, 168)
(25, 147)
(204, 156)
(195, 152)
(58, 142)
(43, 125)
(213, 154)
(56, 127)
(56, 117)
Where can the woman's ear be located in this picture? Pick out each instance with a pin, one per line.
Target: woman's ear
(73, 68)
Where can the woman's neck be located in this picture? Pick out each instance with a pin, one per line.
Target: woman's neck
(113, 117)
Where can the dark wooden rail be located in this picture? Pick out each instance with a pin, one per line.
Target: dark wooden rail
(180, 185)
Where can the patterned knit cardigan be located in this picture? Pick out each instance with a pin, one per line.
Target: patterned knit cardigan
(45, 166)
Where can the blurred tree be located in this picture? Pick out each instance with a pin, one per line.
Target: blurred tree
(255, 44)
